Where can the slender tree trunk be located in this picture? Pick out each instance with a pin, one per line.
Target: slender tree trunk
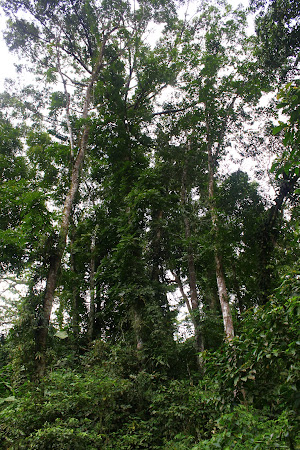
(237, 289)
(137, 327)
(75, 295)
(222, 291)
(68, 101)
(193, 306)
(156, 247)
(91, 320)
(57, 252)
(199, 341)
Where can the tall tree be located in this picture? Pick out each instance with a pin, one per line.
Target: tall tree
(214, 95)
(76, 41)
(278, 30)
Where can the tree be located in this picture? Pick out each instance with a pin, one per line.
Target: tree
(115, 196)
(79, 43)
(214, 95)
(242, 212)
(277, 27)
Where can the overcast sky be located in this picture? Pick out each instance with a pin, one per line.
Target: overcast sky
(7, 60)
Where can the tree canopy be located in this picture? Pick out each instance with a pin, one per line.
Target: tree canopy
(159, 281)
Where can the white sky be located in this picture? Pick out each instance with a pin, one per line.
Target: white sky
(7, 60)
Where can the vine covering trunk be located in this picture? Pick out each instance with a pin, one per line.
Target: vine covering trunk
(58, 251)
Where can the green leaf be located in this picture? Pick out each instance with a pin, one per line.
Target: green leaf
(277, 129)
(61, 334)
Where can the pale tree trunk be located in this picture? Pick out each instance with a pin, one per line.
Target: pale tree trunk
(75, 295)
(57, 252)
(212, 158)
(91, 319)
(156, 246)
(137, 327)
(238, 294)
(222, 291)
(192, 303)
(68, 101)
(194, 314)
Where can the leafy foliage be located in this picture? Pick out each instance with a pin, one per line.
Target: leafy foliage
(119, 199)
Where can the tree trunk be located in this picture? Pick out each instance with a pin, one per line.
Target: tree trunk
(194, 303)
(156, 246)
(57, 252)
(222, 291)
(75, 297)
(91, 320)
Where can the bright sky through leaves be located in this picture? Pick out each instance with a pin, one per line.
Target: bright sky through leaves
(7, 69)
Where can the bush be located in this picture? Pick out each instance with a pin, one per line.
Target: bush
(71, 409)
(249, 429)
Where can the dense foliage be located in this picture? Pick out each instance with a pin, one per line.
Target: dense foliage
(150, 285)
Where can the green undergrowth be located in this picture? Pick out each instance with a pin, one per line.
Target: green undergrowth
(248, 397)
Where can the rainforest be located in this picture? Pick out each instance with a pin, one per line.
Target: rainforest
(149, 225)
